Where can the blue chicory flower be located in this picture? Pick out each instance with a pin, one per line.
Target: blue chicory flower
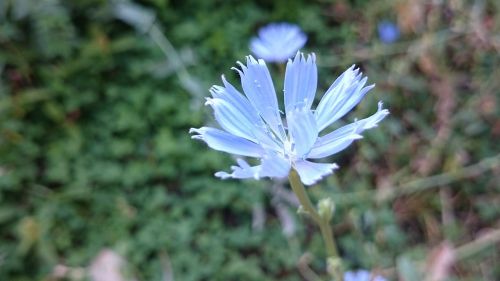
(388, 32)
(277, 42)
(253, 124)
(361, 275)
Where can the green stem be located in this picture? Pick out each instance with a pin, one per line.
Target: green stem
(333, 259)
(326, 231)
(281, 67)
(301, 194)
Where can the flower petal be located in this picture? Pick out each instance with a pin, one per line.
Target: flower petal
(277, 42)
(344, 94)
(259, 89)
(301, 79)
(242, 171)
(303, 131)
(362, 275)
(241, 115)
(223, 141)
(311, 172)
(344, 136)
(232, 120)
(272, 165)
(262, 50)
(237, 100)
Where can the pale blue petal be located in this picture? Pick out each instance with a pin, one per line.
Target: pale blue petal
(302, 130)
(272, 166)
(223, 141)
(349, 276)
(324, 148)
(240, 103)
(361, 275)
(275, 166)
(259, 89)
(311, 172)
(242, 171)
(344, 94)
(286, 31)
(264, 51)
(277, 42)
(237, 100)
(301, 79)
(232, 120)
(237, 123)
(372, 121)
(341, 138)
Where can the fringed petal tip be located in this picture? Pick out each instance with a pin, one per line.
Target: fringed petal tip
(195, 130)
(250, 61)
(328, 172)
(369, 87)
(300, 57)
(241, 71)
(225, 175)
(198, 133)
(372, 121)
(216, 90)
(213, 101)
(271, 166)
(310, 172)
(354, 69)
(380, 107)
(208, 101)
(243, 171)
(222, 175)
(311, 58)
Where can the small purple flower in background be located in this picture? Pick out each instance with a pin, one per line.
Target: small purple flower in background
(253, 125)
(388, 32)
(277, 42)
(361, 275)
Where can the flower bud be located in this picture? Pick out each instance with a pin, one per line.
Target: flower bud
(333, 265)
(301, 210)
(326, 207)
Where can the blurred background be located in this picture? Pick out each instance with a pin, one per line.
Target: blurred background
(99, 179)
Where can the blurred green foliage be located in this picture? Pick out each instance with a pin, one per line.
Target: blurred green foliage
(94, 149)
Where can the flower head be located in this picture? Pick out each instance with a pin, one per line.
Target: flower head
(278, 42)
(361, 275)
(388, 32)
(253, 125)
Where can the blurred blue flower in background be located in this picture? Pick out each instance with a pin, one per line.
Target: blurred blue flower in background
(388, 32)
(361, 275)
(253, 125)
(277, 42)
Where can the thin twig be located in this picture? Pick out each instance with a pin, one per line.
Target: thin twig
(423, 184)
(305, 270)
(187, 81)
(460, 253)
(470, 249)
(444, 179)
(413, 47)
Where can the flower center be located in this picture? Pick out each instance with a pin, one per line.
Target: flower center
(289, 149)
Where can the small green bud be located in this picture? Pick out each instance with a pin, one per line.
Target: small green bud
(334, 266)
(301, 210)
(326, 207)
